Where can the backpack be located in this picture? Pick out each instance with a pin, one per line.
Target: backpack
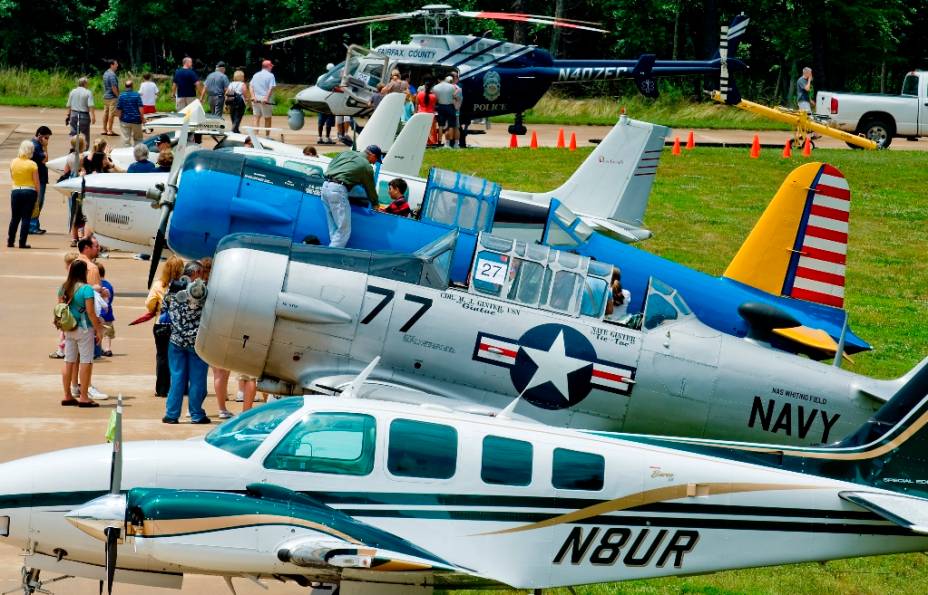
(64, 319)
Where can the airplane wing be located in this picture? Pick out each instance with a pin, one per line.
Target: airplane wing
(905, 511)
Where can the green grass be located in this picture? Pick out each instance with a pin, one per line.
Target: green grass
(704, 204)
(40, 88)
(673, 111)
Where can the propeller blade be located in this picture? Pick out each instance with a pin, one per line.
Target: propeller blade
(526, 18)
(116, 464)
(112, 538)
(337, 22)
(395, 17)
(159, 243)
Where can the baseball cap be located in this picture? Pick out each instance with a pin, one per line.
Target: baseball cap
(267, 64)
(220, 64)
(376, 152)
(164, 138)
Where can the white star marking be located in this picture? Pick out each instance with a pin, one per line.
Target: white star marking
(553, 366)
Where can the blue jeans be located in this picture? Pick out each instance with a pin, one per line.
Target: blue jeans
(34, 224)
(186, 367)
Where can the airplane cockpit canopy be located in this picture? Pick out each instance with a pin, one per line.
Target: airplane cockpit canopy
(538, 276)
(663, 304)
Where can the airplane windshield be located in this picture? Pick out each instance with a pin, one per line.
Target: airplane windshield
(664, 303)
(242, 435)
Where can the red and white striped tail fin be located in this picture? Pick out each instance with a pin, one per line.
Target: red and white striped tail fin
(817, 269)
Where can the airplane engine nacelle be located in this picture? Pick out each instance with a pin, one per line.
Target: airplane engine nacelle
(239, 314)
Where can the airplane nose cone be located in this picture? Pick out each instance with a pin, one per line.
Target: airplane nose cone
(98, 514)
(314, 98)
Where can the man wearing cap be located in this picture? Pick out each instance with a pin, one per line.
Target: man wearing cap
(347, 170)
(215, 87)
(129, 112)
(185, 84)
(262, 86)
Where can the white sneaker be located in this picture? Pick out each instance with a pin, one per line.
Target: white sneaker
(75, 391)
(96, 395)
(239, 397)
(224, 414)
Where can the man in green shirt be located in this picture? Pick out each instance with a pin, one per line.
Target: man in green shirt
(347, 170)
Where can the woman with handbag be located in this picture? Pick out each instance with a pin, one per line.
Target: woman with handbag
(237, 97)
(79, 341)
(171, 271)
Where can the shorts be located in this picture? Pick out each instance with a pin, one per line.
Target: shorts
(805, 106)
(148, 109)
(447, 116)
(78, 346)
(262, 109)
(109, 330)
(182, 102)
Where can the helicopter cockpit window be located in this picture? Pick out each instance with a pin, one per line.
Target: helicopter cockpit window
(329, 80)
(663, 303)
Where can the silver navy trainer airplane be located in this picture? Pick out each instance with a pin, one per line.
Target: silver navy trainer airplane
(532, 321)
(381, 497)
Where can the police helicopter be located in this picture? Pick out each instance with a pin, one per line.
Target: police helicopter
(496, 77)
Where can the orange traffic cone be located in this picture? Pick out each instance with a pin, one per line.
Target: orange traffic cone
(788, 149)
(676, 146)
(513, 142)
(533, 144)
(573, 141)
(560, 138)
(755, 147)
(690, 141)
(807, 148)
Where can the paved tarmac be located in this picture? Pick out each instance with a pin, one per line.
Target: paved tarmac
(30, 382)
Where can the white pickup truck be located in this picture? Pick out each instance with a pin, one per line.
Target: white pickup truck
(880, 117)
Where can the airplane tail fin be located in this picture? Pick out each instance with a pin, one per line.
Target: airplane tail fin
(408, 150)
(381, 127)
(614, 182)
(798, 248)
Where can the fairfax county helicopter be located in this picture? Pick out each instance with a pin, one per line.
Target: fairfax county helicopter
(496, 77)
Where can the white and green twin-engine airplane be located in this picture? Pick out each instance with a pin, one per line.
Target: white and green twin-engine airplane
(381, 497)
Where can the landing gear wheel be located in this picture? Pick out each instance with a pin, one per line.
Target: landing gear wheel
(518, 127)
(878, 131)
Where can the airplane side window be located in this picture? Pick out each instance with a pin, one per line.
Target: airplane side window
(563, 289)
(575, 470)
(657, 311)
(242, 435)
(594, 297)
(506, 461)
(339, 443)
(526, 288)
(422, 449)
(489, 273)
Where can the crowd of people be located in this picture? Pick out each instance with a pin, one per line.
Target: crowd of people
(84, 313)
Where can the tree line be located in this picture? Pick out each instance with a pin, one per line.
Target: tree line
(857, 45)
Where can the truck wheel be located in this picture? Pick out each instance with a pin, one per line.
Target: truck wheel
(878, 131)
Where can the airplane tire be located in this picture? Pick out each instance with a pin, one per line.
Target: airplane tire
(878, 131)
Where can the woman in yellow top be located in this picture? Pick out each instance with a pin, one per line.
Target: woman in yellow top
(171, 271)
(25, 176)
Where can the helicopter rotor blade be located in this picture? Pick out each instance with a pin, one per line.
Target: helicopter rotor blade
(526, 18)
(395, 17)
(336, 22)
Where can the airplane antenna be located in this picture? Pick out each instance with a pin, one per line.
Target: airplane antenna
(511, 407)
(839, 352)
(355, 387)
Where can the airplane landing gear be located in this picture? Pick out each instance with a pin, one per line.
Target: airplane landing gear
(518, 127)
(31, 583)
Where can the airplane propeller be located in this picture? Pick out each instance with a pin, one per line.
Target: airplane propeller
(163, 197)
(445, 12)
